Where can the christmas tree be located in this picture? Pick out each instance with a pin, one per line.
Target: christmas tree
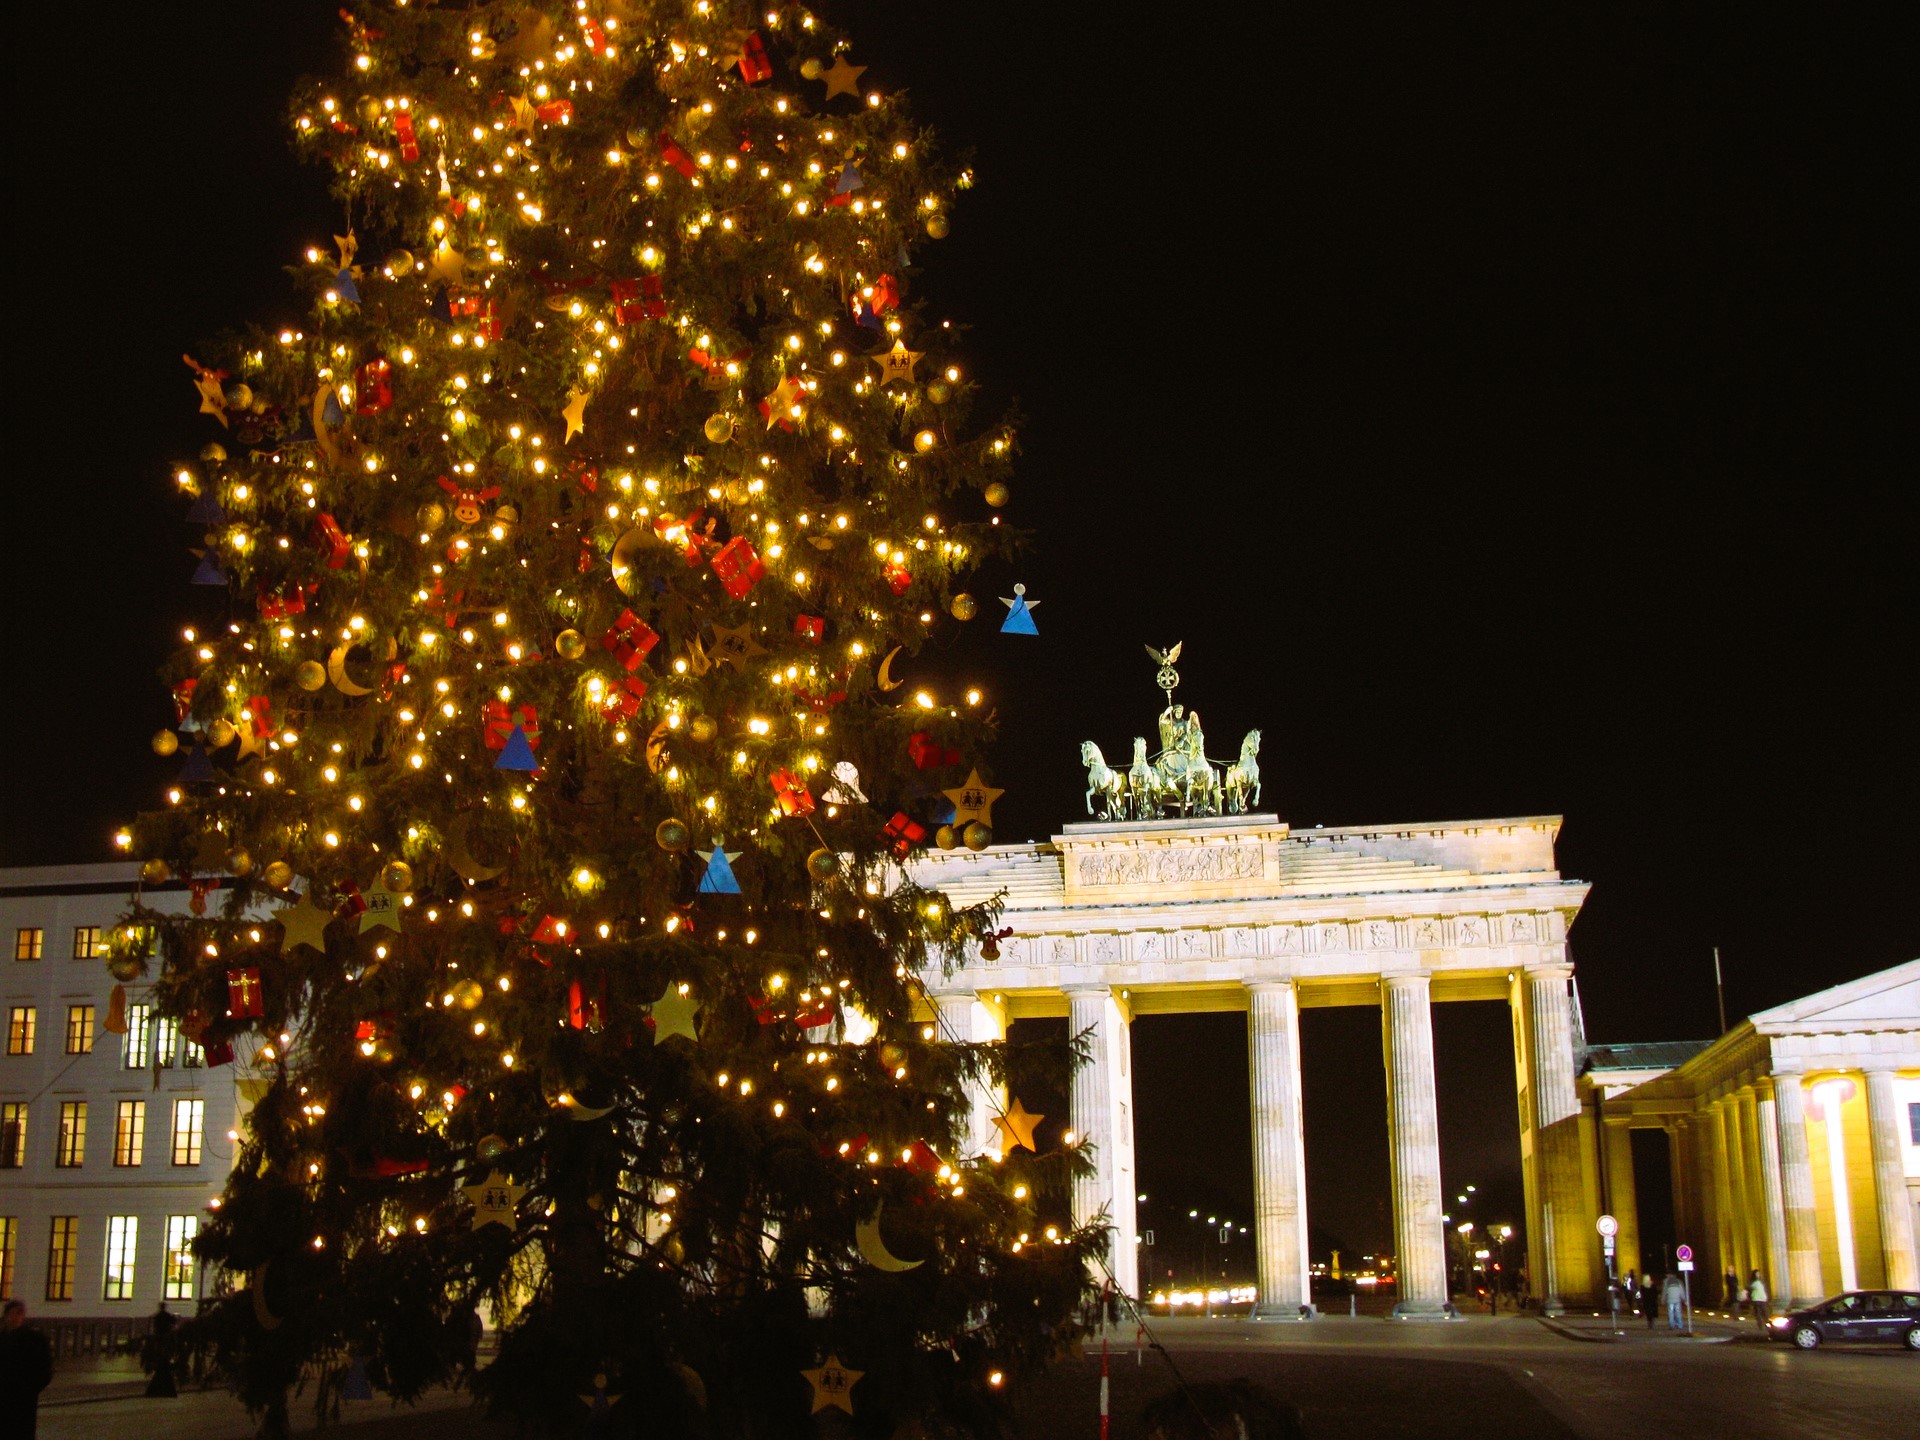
(547, 747)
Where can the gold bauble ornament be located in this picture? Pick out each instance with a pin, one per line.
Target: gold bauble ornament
(400, 262)
(278, 874)
(997, 493)
(945, 838)
(569, 645)
(467, 993)
(937, 226)
(893, 1055)
(165, 742)
(976, 836)
(737, 491)
(561, 301)
(811, 68)
(963, 607)
(156, 871)
(239, 396)
(925, 441)
(702, 728)
(823, 864)
(220, 733)
(639, 137)
(696, 119)
(506, 520)
(431, 516)
(397, 876)
(719, 428)
(311, 675)
(213, 452)
(939, 392)
(238, 861)
(671, 835)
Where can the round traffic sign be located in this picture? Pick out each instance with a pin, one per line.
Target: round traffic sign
(1683, 1252)
(1607, 1226)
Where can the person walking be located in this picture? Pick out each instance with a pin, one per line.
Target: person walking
(159, 1356)
(1730, 1299)
(1673, 1290)
(1761, 1301)
(1649, 1301)
(26, 1367)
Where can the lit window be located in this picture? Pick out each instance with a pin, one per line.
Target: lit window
(182, 1230)
(71, 1149)
(188, 1118)
(9, 1246)
(86, 942)
(133, 1047)
(1913, 1119)
(166, 1040)
(13, 1134)
(28, 941)
(123, 1238)
(192, 1056)
(129, 1132)
(22, 1020)
(79, 1029)
(63, 1247)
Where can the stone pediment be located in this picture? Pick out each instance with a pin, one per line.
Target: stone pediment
(1888, 999)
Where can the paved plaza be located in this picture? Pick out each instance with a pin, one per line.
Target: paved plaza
(1481, 1378)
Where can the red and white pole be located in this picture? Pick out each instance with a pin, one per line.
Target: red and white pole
(1103, 1385)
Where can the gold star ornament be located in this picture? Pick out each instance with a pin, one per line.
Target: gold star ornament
(843, 78)
(898, 363)
(494, 1199)
(674, 1014)
(832, 1386)
(574, 412)
(1016, 1128)
(973, 801)
(731, 647)
(447, 265)
(383, 908)
(304, 924)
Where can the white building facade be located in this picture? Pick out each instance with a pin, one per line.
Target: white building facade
(112, 1145)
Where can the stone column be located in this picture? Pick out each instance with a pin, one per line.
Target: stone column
(1413, 1133)
(968, 1019)
(1621, 1201)
(1725, 1255)
(1796, 1190)
(1279, 1152)
(1556, 1140)
(1885, 1121)
(1103, 1119)
(1753, 1199)
(1766, 1126)
(1740, 1251)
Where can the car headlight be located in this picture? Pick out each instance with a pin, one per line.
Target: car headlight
(1781, 1322)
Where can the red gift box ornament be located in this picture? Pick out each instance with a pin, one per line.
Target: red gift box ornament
(637, 300)
(902, 833)
(403, 131)
(245, 998)
(899, 578)
(920, 1159)
(738, 567)
(373, 386)
(551, 931)
(328, 535)
(629, 639)
(755, 67)
(622, 701)
(287, 599)
(587, 1005)
(810, 628)
(928, 753)
(791, 794)
(555, 112)
(673, 155)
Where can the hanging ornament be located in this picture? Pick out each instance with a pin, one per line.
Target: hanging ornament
(733, 646)
(1020, 610)
(719, 428)
(199, 767)
(155, 872)
(116, 1021)
(997, 494)
(843, 78)
(810, 628)
(513, 730)
(945, 838)
(461, 857)
(574, 412)
(738, 567)
(963, 607)
(928, 753)
(210, 383)
(832, 1384)
(977, 836)
(783, 404)
(621, 702)
(845, 789)
(629, 640)
(310, 675)
(494, 1200)
(637, 300)
(866, 1237)
(278, 875)
(467, 993)
(719, 878)
(823, 864)
(1016, 1127)
(897, 363)
(937, 226)
(238, 861)
(848, 182)
(925, 441)
(303, 924)
(245, 998)
(902, 833)
(755, 67)
(973, 801)
(165, 742)
(382, 908)
(569, 645)
(674, 1014)
(671, 835)
(790, 793)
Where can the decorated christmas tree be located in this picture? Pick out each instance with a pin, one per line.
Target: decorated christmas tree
(550, 785)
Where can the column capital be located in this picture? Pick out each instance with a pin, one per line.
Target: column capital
(1272, 985)
(1890, 1070)
(1406, 980)
(1089, 990)
(1549, 970)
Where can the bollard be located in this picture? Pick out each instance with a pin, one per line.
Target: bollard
(1353, 1307)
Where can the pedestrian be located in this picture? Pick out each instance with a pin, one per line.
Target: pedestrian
(26, 1365)
(1730, 1301)
(159, 1356)
(1649, 1301)
(1762, 1302)
(1674, 1291)
(1113, 1305)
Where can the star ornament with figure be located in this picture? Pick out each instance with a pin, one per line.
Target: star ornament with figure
(494, 1199)
(832, 1385)
(973, 800)
(898, 363)
(1016, 1127)
(383, 909)
(304, 924)
(731, 646)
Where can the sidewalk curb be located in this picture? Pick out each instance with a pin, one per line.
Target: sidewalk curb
(1591, 1338)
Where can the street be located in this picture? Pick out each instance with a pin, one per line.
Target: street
(1480, 1378)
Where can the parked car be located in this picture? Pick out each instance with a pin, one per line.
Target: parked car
(1872, 1317)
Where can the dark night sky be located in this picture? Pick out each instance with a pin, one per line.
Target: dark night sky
(1498, 400)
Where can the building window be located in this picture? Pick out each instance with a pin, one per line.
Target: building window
(86, 942)
(123, 1238)
(79, 1029)
(166, 1040)
(28, 941)
(71, 1150)
(188, 1118)
(192, 1056)
(133, 1049)
(182, 1230)
(129, 1132)
(9, 1245)
(22, 1020)
(13, 1134)
(63, 1247)
(1913, 1119)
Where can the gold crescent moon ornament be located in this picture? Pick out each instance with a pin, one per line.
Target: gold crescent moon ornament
(576, 1111)
(884, 676)
(337, 672)
(866, 1235)
(257, 1285)
(460, 854)
(324, 433)
(622, 558)
(657, 748)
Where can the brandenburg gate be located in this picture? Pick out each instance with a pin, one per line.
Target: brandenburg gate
(1222, 912)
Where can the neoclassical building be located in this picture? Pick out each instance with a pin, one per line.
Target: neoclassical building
(1794, 1139)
